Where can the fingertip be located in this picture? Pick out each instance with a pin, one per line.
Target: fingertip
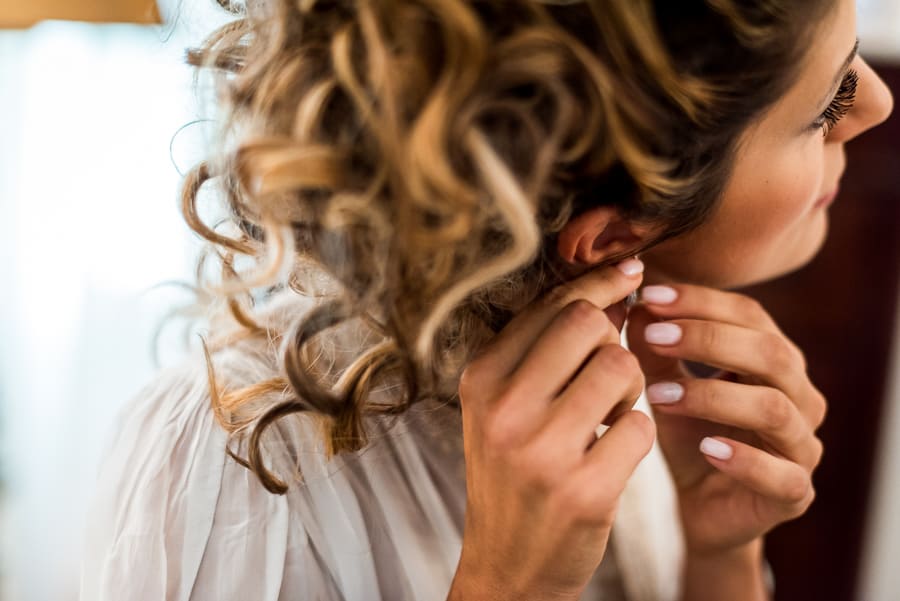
(656, 295)
(632, 267)
(663, 333)
(716, 449)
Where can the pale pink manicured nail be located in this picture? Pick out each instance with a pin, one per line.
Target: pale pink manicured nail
(665, 393)
(659, 295)
(716, 448)
(631, 267)
(662, 333)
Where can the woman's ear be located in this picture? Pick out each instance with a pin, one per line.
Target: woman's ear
(600, 233)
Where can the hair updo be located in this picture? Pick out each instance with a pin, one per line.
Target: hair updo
(410, 162)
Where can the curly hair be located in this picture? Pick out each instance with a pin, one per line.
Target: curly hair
(409, 164)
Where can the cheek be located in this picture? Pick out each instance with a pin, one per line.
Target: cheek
(764, 225)
(768, 223)
(769, 198)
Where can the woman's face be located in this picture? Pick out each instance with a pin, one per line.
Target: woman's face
(773, 217)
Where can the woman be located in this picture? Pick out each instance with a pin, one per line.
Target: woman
(420, 392)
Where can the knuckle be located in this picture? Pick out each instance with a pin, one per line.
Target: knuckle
(578, 502)
(819, 407)
(584, 314)
(615, 368)
(497, 431)
(747, 305)
(589, 501)
(706, 397)
(775, 410)
(709, 337)
(558, 296)
(537, 469)
(602, 518)
(810, 498)
(756, 470)
(797, 490)
(800, 357)
(617, 358)
(800, 507)
(819, 450)
(779, 354)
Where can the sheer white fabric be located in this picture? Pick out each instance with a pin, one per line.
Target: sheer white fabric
(174, 518)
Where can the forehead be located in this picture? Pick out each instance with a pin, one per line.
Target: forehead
(832, 40)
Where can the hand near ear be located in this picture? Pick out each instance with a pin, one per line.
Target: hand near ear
(741, 447)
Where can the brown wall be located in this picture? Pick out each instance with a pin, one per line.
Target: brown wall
(24, 13)
(841, 311)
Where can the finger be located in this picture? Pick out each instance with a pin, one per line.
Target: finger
(561, 350)
(783, 482)
(766, 411)
(612, 459)
(573, 335)
(656, 367)
(601, 287)
(700, 302)
(611, 377)
(732, 348)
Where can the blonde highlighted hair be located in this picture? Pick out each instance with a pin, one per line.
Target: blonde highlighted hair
(420, 156)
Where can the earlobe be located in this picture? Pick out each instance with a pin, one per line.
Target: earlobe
(597, 235)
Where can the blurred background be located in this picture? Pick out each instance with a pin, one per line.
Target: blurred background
(98, 118)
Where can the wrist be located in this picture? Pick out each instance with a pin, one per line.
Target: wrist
(736, 573)
(464, 588)
(475, 581)
(745, 553)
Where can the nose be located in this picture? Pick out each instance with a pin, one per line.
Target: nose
(874, 104)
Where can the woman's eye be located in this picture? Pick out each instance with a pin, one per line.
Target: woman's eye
(840, 105)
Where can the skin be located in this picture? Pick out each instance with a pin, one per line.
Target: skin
(764, 407)
(541, 493)
(767, 223)
(770, 221)
(531, 399)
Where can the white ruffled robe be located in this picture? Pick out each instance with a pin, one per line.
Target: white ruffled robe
(175, 518)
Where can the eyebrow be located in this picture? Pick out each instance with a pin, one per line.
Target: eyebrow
(840, 75)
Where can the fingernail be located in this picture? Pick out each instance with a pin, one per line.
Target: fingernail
(716, 448)
(665, 393)
(662, 333)
(631, 267)
(659, 295)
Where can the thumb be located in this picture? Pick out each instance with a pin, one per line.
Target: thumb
(655, 367)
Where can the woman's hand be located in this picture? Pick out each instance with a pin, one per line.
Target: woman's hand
(542, 490)
(756, 421)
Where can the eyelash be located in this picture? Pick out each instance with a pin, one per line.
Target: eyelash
(840, 105)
